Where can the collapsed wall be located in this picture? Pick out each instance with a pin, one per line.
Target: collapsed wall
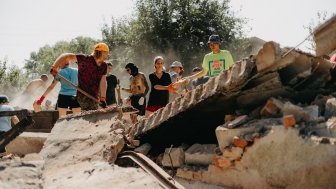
(252, 155)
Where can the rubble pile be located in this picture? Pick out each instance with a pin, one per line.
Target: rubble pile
(272, 116)
(79, 152)
(268, 122)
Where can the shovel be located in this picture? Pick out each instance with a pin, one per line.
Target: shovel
(37, 107)
(120, 102)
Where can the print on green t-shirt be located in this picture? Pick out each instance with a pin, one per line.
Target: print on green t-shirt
(216, 67)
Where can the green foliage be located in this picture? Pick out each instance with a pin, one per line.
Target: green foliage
(178, 30)
(12, 79)
(40, 62)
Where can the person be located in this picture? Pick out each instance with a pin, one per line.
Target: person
(67, 95)
(161, 85)
(92, 71)
(214, 62)
(198, 81)
(138, 89)
(5, 121)
(175, 76)
(36, 84)
(112, 82)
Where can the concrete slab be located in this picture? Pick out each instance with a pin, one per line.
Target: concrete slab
(200, 154)
(26, 143)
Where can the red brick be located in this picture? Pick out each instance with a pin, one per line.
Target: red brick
(239, 142)
(288, 121)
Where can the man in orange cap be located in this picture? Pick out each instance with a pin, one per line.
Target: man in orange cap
(92, 71)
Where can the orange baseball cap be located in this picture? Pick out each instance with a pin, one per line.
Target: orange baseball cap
(101, 47)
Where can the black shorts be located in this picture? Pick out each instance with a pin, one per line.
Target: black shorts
(65, 101)
(135, 103)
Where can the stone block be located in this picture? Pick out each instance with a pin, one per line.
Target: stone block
(201, 154)
(330, 108)
(26, 143)
(237, 121)
(144, 149)
(233, 154)
(173, 158)
(224, 135)
(221, 162)
(297, 111)
(189, 174)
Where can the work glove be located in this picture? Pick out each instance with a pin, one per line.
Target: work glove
(39, 101)
(102, 102)
(53, 71)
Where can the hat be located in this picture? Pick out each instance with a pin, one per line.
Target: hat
(196, 69)
(214, 39)
(3, 99)
(176, 64)
(101, 47)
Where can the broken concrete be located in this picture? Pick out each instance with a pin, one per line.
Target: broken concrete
(173, 157)
(200, 154)
(325, 37)
(26, 143)
(17, 174)
(291, 162)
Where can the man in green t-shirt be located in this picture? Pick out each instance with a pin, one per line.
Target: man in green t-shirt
(218, 60)
(214, 63)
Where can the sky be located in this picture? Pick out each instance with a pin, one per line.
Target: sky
(25, 26)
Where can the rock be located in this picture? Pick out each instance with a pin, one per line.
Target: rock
(221, 162)
(17, 174)
(239, 142)
(331, 127)
(297, 111)
(237, 121)
(189, 174)
(174, 158)
(312, 113)
(233, 154)
(144, 149)
(224, 135)
(267, 55)
(330, 108)
(201, 154)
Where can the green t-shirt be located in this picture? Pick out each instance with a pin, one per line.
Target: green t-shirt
(216, 63)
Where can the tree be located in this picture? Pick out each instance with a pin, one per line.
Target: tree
(12, 79)
(40, 62)
(178, 30)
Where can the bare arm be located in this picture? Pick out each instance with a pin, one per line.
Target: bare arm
(63, 59)
(50, 88)
(186, 80)
(102, 86)
(160, 87)
(15, 119)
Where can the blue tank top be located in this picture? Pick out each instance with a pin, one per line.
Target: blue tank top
(70, 74)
